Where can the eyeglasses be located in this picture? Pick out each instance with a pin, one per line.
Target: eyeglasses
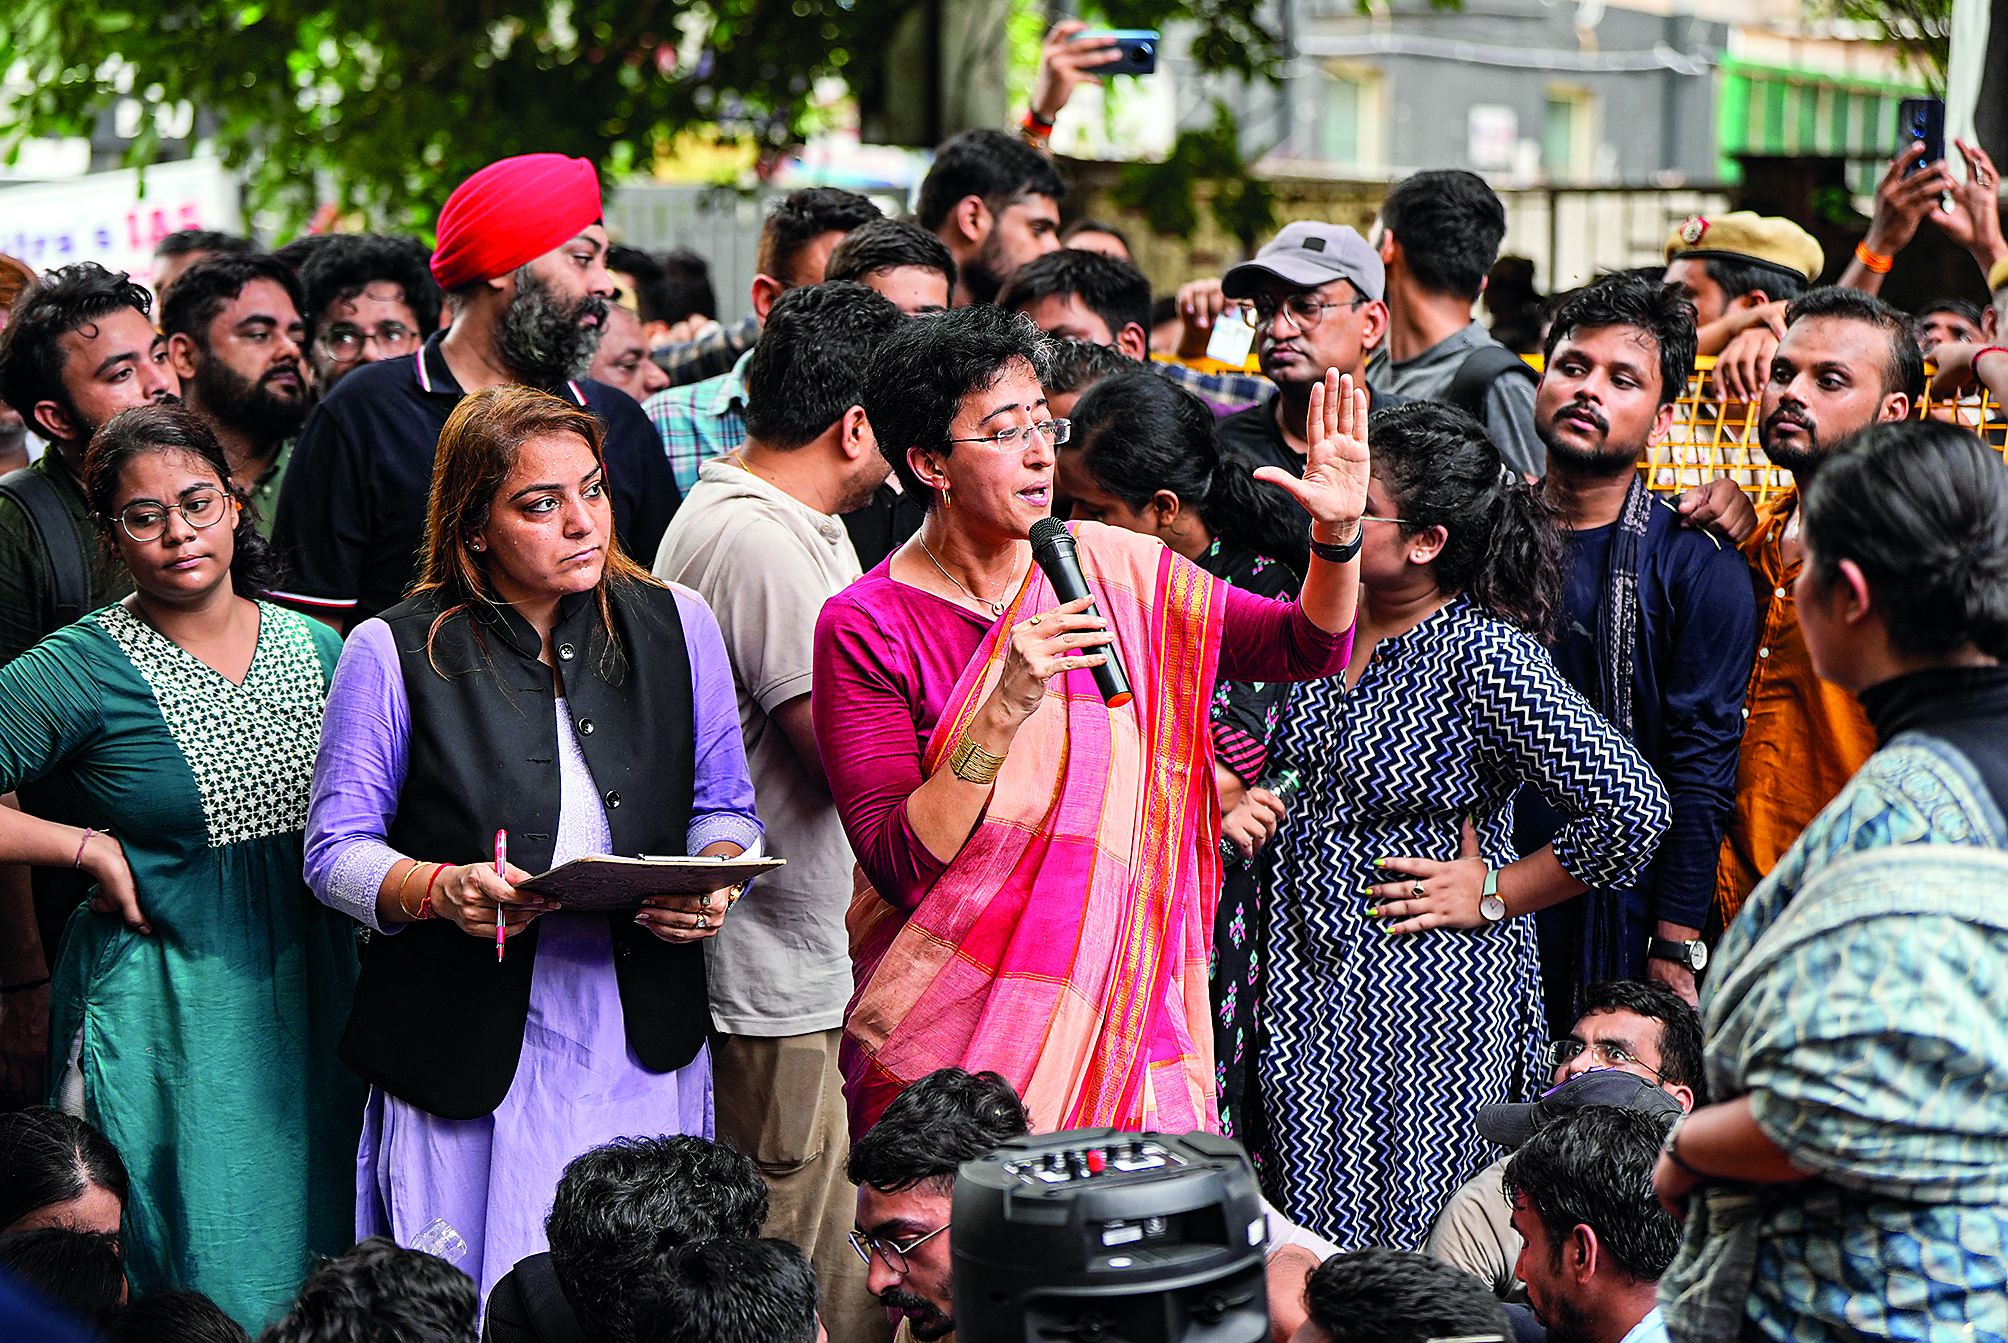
(1609, 1053)
(344, 343)
(890, 1250)
(200, 509)
(1304, 311)
(1056, 432)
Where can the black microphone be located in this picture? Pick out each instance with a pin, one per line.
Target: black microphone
(1053, 548)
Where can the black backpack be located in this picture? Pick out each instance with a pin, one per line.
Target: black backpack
(1475, 376)
(68, 548)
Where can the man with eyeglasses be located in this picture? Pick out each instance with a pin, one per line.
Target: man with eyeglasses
(905, 1168)
(369, 297)
(1314, 296)
(235, 336)
(1628, 1027)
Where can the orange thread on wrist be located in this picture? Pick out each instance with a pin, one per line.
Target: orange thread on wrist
(425, 909)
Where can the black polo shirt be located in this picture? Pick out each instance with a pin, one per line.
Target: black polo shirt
(351, 516)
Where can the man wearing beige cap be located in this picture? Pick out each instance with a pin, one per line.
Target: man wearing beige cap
(1314, 295)
(1739, 270)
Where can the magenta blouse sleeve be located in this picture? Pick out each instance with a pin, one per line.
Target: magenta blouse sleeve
(1271, 639)
(865, 728)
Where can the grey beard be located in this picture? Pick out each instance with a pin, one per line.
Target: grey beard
(540, 340)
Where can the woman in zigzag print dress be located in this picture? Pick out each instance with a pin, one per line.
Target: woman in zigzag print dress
(1404, 987)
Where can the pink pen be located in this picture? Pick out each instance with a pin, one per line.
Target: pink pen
(501, 866)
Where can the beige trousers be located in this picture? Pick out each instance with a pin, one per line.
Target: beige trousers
(780, 1100)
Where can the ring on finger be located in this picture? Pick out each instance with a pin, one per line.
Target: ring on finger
(1036, 619)
(1418, 890)
(702, 923)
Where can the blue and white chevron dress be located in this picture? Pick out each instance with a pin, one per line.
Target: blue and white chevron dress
(1378, 1050)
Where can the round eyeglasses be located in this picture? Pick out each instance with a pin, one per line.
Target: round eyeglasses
(147, 521)
(1607, 1053)
(344, 342)
(1055, 432)
(888, 1249)
(1304, 312)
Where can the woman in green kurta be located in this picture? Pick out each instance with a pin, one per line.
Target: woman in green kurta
(199, 997)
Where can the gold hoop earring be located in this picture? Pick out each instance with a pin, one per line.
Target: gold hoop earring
(947, 497)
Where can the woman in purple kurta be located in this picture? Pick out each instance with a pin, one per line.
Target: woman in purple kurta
(475, 1190)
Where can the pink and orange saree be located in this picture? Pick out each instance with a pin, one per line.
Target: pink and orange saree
(1066, 945)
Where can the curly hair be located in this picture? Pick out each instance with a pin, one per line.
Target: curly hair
(946, 1118)
(383, 1293)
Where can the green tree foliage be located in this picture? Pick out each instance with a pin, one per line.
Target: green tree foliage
(383, 105)
(1165, 193)
(1919, 30)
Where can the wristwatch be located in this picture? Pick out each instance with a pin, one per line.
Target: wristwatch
(1693, 955)
(1490, 906)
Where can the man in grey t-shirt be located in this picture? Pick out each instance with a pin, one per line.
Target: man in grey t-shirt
(1439, 235)
(759, 537)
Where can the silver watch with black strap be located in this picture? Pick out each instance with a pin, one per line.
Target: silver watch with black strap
(1692, 954)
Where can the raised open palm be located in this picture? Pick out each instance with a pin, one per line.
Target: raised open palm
(1333, 489)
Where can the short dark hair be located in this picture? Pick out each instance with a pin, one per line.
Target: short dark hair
(1625, 298)
(1736, 278)
(172, 1317)
(352, 261)
(1903, 370)
(208, 286)
(946, 1118)
(1958, 307)
(1593, 1168)
(728, 1291)
(1076, 365)
(1450, 225)
(82, 1272)
(70, 297)
(622, 1203)
(886, 244)
(380, 1291)
(1109, 287)
(989, 164)
(809, 367)
(1921, 506)
(923, 370)
(295, 254)
(1378, 1295)
(49, 1157)
(686, 287)
(183, 241)
(254, 569)
(801, 217)
(1087, 225)
(1680, 1037)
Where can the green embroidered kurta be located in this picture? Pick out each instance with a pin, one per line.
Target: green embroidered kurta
(207, 1048)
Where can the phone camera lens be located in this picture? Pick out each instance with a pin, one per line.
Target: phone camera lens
(1141, 55)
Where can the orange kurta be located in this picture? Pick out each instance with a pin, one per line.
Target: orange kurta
(1802, 737)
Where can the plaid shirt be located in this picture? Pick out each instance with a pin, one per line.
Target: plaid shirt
(701, 421)
(709, 355)
(1229, 390)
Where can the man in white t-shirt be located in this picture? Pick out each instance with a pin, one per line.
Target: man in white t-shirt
(759, 537)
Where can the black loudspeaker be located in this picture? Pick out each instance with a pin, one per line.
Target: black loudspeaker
(1101, 1236)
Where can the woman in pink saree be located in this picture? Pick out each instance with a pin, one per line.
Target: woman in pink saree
(1038, 871)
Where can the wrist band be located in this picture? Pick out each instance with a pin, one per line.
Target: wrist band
(24, 985)
(1875, 261)
(1032, 118)
(78, 861)
(973, 764)
(1998, 274)
(1672, 1150)
(1338, 554)
(1983, 352)
(1034, 131)
(425, 909)
(398, 898)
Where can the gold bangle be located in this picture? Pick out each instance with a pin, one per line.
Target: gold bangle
(972, 763)
(398, 898)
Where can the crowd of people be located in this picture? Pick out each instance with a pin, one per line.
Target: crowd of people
(1581, 902)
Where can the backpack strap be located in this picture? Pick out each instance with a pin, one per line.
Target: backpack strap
(1475, 376)
(66, 546)
(550, 1309)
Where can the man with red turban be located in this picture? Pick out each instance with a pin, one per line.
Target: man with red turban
(522, 258)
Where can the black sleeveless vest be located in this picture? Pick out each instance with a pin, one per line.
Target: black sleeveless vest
(437, 1022)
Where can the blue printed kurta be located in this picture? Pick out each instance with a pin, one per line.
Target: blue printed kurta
(1379, 1050)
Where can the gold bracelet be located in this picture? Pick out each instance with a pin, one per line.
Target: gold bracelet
(398, 898)
(971, 762)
